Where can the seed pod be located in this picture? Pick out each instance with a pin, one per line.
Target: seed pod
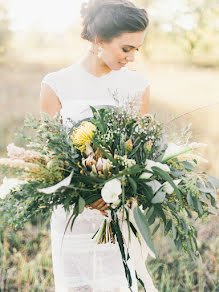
(99, 165)
(89, 150)
(148, 145)
(94, 171)
(128, 145)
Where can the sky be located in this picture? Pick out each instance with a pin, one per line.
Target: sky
(47, 15)
(57, 15)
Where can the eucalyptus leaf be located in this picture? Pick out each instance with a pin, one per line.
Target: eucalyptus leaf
(156, 228)
(159, 197)
(154, 184)
(214, 181)
(149, 212)
(188, 165)
(168, 178)
(174, 231)
(167, 227)
(206, 190)
(143, 226)
(133, 184)
(177, 173)
(189, 199)
(81, 204)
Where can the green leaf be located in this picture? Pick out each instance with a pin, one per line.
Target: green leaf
(149, 212)
(177, 173)
(119, 236)
(154, 184)
(156, 228)
(214, 181)
(188, 165)
(147, 191)
(207, 190)
(133, 184)
(168, 226)
(143, 226)
(166, 176)
(160, 212)
(104, 152)
(93, 109)
(198, 205)
(159, 197)
(92, 199)
(174, 231)
(81, 204)
(123, 202)
(189, 199)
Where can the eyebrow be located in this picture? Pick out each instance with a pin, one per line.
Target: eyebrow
(132, 46)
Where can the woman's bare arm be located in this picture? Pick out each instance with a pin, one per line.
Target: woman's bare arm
(49, 101)
(145, 101)
(50, 104)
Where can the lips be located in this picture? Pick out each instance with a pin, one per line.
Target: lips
(122, 64)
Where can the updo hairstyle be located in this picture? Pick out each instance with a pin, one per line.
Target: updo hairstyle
(108, 19)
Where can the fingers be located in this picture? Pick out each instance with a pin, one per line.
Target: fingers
(104, 207)
(98, 204)
(103, 213)
(94, 204)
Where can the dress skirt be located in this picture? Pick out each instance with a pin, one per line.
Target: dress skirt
(79, 264)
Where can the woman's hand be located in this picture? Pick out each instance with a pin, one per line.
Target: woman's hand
(99, 205)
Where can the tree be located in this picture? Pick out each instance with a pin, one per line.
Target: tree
(202, 33)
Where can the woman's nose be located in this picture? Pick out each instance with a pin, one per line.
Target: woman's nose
(131, 57)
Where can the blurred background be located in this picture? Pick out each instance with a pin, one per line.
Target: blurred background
(180, 58)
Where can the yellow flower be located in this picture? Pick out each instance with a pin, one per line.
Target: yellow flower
(82, 135)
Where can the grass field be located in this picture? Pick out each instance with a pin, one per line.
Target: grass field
(25, 255)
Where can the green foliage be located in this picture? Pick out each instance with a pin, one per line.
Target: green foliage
(133, 144)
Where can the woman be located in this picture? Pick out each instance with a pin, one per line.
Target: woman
(115, 29)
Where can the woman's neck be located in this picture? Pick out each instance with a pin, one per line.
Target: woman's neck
(95, 65)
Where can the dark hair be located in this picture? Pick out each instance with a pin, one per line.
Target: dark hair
(111, 18)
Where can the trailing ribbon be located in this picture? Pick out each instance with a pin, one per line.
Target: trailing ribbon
(138, 249)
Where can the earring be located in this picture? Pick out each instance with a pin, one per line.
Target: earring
(100, 52)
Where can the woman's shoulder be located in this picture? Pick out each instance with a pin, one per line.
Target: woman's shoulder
(60, 74)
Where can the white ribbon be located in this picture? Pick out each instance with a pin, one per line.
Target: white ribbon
(138, 251)
(64, 183)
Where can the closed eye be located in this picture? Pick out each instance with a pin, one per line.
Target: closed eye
(126, 51)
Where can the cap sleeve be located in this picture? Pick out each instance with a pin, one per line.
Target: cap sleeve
(143, 82)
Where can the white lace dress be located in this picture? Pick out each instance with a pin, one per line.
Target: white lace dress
(79, 264)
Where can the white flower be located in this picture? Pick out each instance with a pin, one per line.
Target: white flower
(174, 150)
(115, 203)
(168, 188)
(111, 191)
(8, 185)
(151, 163)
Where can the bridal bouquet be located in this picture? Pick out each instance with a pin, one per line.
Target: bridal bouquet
(128, 160)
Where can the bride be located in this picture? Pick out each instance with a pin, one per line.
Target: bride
(116, 30)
